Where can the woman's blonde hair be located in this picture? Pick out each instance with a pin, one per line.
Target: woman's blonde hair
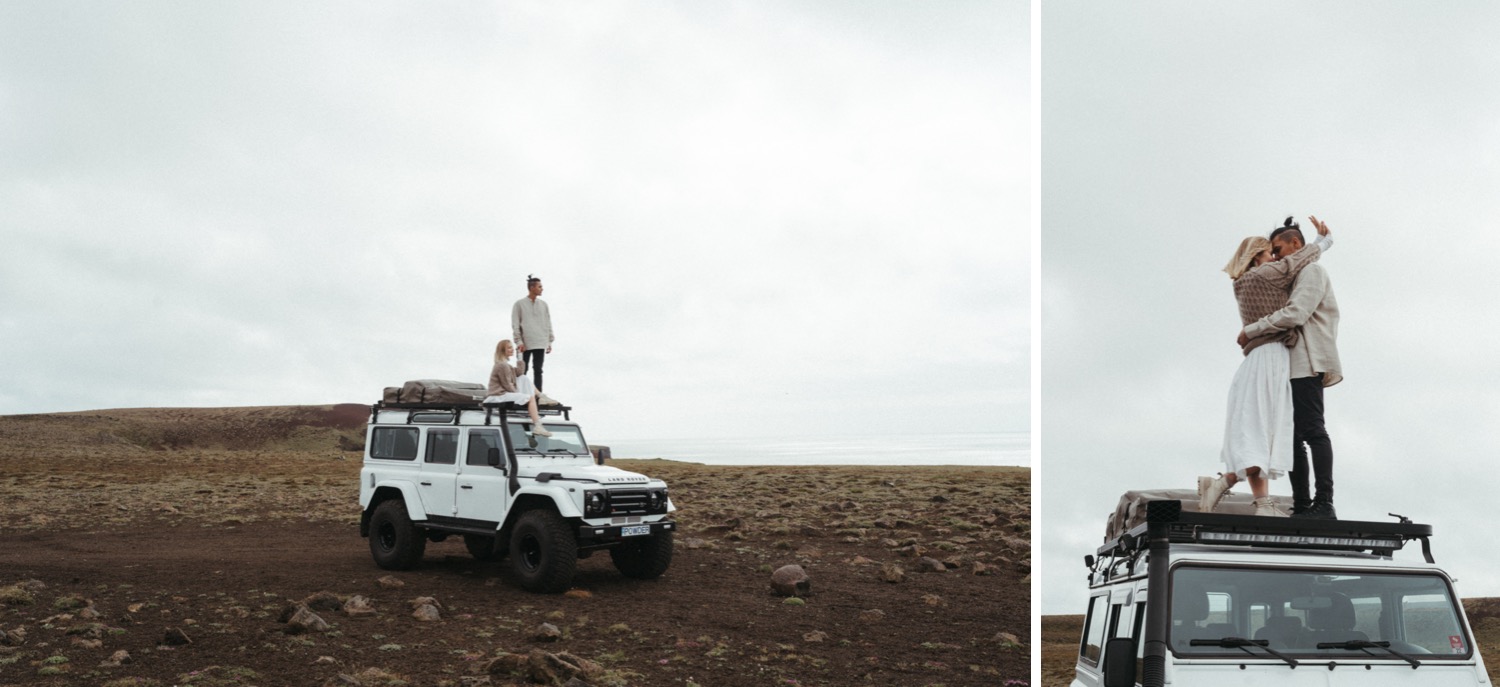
(500, 350)
(1245, 256)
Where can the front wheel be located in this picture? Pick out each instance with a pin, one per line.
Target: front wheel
(644, 558)
(543, 551)
(395, 543)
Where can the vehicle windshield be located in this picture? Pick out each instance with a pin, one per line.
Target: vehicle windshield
(1316, 613)
(565, 439)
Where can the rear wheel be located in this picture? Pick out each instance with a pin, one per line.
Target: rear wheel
(395, 542)
(543, 551)
(644, 558)
(484, 548)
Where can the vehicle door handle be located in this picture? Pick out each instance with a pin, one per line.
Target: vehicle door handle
(465, 486)
(427, 484)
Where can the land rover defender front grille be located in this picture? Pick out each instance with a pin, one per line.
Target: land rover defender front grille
(636, 502)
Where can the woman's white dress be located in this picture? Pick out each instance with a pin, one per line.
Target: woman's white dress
(1258, 428)
(525, 388)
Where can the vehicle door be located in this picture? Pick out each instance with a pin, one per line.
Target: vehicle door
(439, 480)
(482, 493)
(1091, 644)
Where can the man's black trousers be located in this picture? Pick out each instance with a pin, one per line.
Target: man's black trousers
(534, 358)
(1309, 436)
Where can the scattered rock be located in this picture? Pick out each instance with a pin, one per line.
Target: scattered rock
(933, 600)
(116, 659)
(87, 643)
(810, 531)
(815, 636)
(1007, 638)
(390, 582)
(325, 661)
(13, 637)
(545, 668)
(358, 607)
(424, 601)
(546, 632)
(578, 594)
(427, 613)
(793, 601)
(791, 580)
(873, 615)
(694, 543)
(886, 523)
(939, 498)
(983, 569)
(89, 613)
(32, 585)
(176, 637)
(304, 620)
(87, 630)
(912, 551)
(892, 573)
(323, 601)
(71, 603)
(15, 595)
(859, 560)
(930, 565)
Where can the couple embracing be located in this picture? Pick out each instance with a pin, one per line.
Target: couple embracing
(1289, 339)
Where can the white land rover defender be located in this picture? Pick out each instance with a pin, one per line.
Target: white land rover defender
(432, 470)
(1188, 598)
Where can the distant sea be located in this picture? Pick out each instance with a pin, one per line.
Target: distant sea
(967, 448)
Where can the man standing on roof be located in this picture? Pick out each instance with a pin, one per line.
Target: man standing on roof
(531, 326)
(1314, 313)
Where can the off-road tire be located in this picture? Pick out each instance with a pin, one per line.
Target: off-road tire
(484, 548)
(395, 543)
(644, 558)
(543, 551)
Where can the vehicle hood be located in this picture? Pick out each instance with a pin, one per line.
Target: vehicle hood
(603, 474)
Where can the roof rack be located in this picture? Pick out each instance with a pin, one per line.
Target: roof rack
(1166, 519)
(490, 409)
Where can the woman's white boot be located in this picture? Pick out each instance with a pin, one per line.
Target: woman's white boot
(1267, 508)
(1211, 491)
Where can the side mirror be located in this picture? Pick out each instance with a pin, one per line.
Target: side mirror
(1119, 662)
(493, 458)
(601, 454)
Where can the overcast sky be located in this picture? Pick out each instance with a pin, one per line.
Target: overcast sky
(1172, 130)
(750, 217)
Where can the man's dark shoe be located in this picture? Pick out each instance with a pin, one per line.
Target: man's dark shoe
(1300, 507)
(1319, 510)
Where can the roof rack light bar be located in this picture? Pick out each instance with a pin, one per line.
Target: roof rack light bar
(1167, 519)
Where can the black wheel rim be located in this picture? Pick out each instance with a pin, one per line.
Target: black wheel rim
(531, 553)
(385, 534)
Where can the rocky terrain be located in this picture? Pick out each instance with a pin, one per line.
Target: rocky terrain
(221, 547)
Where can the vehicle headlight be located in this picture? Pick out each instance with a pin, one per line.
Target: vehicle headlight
(658, 500)
(595, 503)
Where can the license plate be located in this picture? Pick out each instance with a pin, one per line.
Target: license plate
(635, 530)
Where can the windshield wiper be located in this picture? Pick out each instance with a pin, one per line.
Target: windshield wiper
(1244, 645)
(1367, 644)
(563, 450)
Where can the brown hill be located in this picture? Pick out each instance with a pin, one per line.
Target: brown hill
(298, 428)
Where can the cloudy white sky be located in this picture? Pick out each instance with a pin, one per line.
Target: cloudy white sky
(1170, 131)
(810, 217)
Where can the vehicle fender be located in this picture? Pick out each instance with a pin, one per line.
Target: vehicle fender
(408, 491)
(559, 496)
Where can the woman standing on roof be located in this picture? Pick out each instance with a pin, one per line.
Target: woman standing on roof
(1258, 429)
(511, 385)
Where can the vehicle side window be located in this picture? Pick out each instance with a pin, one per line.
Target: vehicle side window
(394, 443)
(442, 446)
(480, 443)
(1092, 644)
